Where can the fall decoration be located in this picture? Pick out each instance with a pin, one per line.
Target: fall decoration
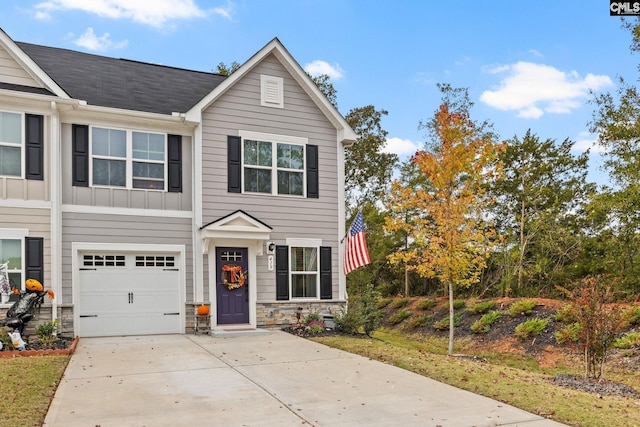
(233, 277)
(33, 285)
(203, 310)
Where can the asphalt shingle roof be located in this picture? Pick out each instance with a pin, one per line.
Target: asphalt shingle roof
(122, 83)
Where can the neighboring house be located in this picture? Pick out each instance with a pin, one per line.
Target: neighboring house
(137, 192)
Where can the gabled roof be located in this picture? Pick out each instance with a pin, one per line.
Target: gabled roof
(122, 83)
(275, 47)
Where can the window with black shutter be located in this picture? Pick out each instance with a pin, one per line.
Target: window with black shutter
(34, 153)
(80, 149)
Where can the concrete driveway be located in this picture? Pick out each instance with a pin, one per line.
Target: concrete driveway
(267, 378)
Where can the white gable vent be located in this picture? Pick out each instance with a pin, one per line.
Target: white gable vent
(272, 91)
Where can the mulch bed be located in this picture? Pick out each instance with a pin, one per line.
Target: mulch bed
(590, 385)
(61, 346)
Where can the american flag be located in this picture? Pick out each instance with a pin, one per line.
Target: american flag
(356, 253)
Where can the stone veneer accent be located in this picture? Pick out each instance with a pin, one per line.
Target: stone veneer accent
(283, 313)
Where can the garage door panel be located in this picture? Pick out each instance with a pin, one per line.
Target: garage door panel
(139, 295)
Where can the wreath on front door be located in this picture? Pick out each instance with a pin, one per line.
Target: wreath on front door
(233, 277)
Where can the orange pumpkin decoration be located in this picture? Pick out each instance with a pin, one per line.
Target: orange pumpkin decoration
(203, 310)
(34, 285)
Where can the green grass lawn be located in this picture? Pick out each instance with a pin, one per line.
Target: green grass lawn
(27, 387)
(518, 381)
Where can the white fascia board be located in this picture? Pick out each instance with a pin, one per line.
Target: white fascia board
(30, 66)
(97, 114)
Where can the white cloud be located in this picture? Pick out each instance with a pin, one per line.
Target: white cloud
(587, 141)
(155, 13)
(401, 147)
(535, 53)
(533, 89)
(319, 67)
(90, 41)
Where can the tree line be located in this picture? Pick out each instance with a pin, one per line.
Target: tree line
(491, 218)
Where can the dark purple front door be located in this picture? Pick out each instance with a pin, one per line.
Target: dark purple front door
(232, 285)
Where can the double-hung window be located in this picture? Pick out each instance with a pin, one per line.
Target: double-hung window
(304, 268)
(304, 272)
(130, 159)
(273, 164)
(11, 142)
(12, 254)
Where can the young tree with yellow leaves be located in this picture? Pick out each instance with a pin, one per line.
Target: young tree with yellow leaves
(451, 237)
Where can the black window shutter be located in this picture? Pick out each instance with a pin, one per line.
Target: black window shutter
(312, 171)
(234, 164)
(325, 272)
(80, 153)
(174, 149)
(282, 273)
(34, 154)
(34, 253)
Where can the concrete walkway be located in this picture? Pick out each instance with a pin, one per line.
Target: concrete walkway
(268, 378)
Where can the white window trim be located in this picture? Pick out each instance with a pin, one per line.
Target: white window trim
(22, 143)
(129, 159)
(304, 243)
(275, 139)
(16, 234)
(271, 91)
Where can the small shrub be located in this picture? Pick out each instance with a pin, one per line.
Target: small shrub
(443, 324)
(459, 304)
(383, 302)
(419, 321)
(568, 334)
(628, 341)
(531, 328)
(313, 316)
(47, 332)
(426, 304)
(399, 303)
(632, 316)
(348, 322)
(522, 307)
(599, 321)
(363, 313)
(7, 343)
(565, 314)
(483, 325)
(399, 317)
(483, 307)
(316, 327)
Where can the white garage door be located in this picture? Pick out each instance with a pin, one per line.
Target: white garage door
(128, 294)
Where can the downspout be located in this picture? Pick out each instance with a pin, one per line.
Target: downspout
(55, 217)
(198, 267)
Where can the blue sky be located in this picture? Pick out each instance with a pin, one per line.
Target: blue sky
(527, 65)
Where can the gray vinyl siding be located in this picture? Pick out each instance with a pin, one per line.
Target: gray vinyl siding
(29, 189)
(12, 72)
(240, 109)
(38, 222)
(122, 197)
(125, 229)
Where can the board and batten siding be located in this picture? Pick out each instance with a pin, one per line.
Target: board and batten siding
(38, 222)
(12, 72)
(122, 197)
(294, 217)
(124, 229)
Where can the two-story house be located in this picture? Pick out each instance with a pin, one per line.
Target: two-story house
(137, 192)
